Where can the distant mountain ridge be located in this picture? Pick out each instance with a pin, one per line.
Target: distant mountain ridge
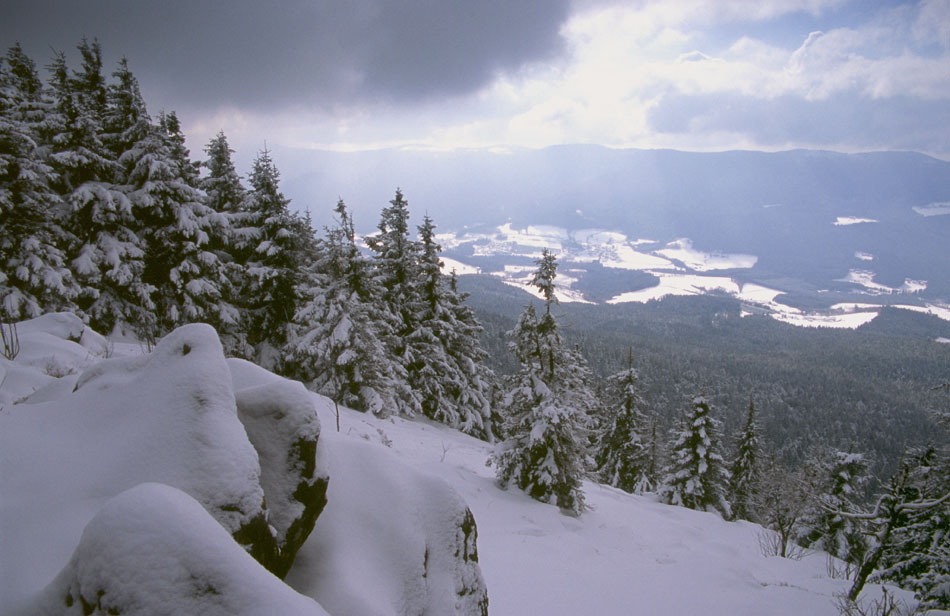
(811, 218)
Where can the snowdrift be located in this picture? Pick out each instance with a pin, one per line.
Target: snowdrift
(154, 550)
(146, 474)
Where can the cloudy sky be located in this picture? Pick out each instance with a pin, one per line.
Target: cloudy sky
(847, 75)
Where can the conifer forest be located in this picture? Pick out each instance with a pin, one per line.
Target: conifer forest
(837, 441)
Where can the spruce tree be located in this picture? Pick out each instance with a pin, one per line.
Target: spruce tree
(222, 184)
(547, 408)
(840, 479)
(918, 555)
(336, 348)
(697, 477)
(272, 247)
(623, 459)
(396, 267)
(475, 388)
(224, 195)
(34, 277)
(744, 479)
(446, 369)
(185, 277)
(105, 253)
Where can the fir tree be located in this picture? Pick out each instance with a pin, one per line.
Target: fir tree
(697, 477)
(445, 348)
(395, 258)
(105, 252)
(33, 274)
(745, 469)
(272, 250)
(896, 517)
(918, 556)
(475, 388)
(185, 278)
(336, 347)
(623, 459)
(225, 194)
(839, 482)
(222, 185)
(547, 409)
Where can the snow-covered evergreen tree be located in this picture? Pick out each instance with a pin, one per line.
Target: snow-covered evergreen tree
(336, 347)
(185, 277)
(744, 479)
(224, 194)
(446, 353)
(222, 185)
(474, 392)
(105, 253)
(840, 480)
(396, 268)
(918, 555)
(273, 249)
(548, 403)
(623, 459)
(33, 274)
(697, 477)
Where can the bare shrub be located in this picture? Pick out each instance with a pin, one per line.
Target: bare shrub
(10, 340)
(887, 605)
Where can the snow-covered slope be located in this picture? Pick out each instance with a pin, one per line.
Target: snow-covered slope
(629, 554)
(80, 509)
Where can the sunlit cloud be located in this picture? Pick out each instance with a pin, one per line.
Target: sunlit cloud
(663, 74)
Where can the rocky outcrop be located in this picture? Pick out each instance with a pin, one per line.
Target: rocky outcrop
(154, 550)
(168, 417)
(408, 531)
(282, 426)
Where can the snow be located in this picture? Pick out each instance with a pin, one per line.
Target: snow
(168, 417)
(388, 528)
(518, 276)
(682, 250)
(865, 278)
(155, 550)
(941, 208)
(460, 269)
(678, 284)
(844, 221)
(77, 477)
(278, 415)
(628, 553)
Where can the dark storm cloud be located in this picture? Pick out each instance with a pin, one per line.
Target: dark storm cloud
(323, 53)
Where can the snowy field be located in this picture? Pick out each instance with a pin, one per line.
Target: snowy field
(88, 451)
(681, 270)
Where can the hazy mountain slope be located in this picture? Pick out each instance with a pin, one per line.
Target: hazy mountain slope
(780, 207)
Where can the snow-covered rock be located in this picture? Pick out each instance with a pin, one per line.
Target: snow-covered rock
(392, 540)
(154, 550)
(168, 417)
(282, 425)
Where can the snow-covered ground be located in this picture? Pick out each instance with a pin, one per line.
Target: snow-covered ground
(393, 484)
(629, 554)
(681, 269)
(845, 221)
(934, 209)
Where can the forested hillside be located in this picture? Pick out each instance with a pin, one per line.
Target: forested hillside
(869, 390)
